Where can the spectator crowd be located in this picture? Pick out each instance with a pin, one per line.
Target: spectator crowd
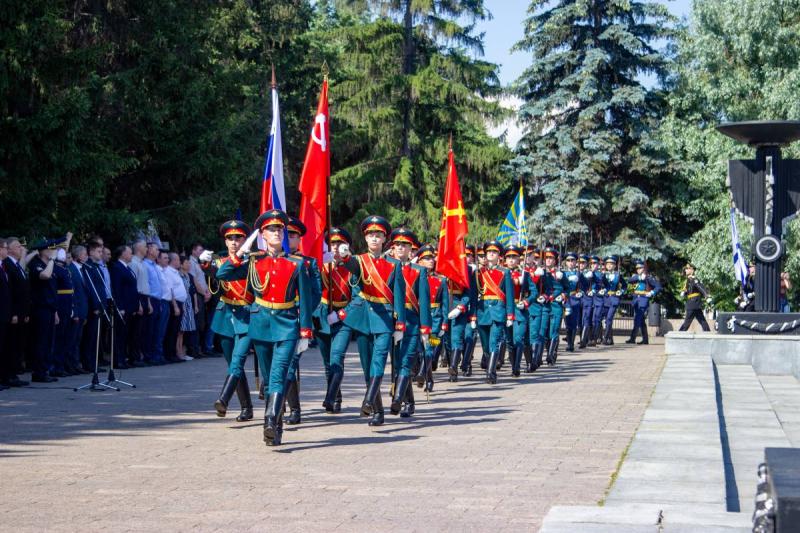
(60, 302)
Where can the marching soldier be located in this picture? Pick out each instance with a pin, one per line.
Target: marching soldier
(462, 317)
(616, 286)
(597, 290)
(336, 294)
(375, 315)
(439, 303)
(645, 287)
(587, 301)
(279, 326)
(480, 253)
(536, 314)
(295, 231)
(574, 304)
(695, 293)
(555, 290)
(417, 320)
(231, 321)
(525, 294)
(495, 310)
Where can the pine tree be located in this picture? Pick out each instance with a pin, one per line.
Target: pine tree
(408, 78)
(588, 155)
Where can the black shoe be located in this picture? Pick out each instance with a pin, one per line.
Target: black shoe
(452, 369)
(58, 374)
(538, 351)
(373, 391)
(484, 361)
(273, 422)
(409, 405)
(337, 405)
(16, 382)
(243, 393)
(645, 339)
(584, 338)
(122, 366)
(377, 416)
(228, 388)
(631, 340)
(139, 364)
(44, 378)
(293, 400)
(468, 373)
(491, 366)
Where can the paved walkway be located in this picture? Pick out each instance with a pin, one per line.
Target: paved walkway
(475, 458)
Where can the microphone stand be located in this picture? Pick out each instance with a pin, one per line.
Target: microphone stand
(112, 378)
(95, 384)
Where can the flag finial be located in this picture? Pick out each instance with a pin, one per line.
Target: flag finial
(325, 69)
(274, 83)
(450, 142)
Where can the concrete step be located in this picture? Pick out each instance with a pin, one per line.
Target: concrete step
(783, 393)
(641, 517)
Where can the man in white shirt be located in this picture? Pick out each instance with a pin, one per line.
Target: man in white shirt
(175, 293)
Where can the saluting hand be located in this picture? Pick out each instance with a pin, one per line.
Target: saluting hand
(248, 244)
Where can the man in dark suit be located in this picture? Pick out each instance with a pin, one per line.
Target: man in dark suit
(17, 332)
(5, 305)
(126, 298)
(80, 310)
(95, 291)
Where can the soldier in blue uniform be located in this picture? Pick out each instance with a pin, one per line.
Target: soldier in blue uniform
(280, 316)
(231, 321)
(45, 317)
(536, 312)
(597, 291)
(525, 294)
(417, 320)
(587, 301)
(555, 292)
(495, 307)
(439, 305)
(295, 230)
(336, 294)
(574, 305)
(616, 286)
(375, 315)
(645, 287)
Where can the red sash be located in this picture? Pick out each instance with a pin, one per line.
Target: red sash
(339, 284)
(410, 296)
(374, 276)
(487, 280)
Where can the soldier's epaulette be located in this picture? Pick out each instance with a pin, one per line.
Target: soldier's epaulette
(502, 269)
(296, 260)
(418, 267)
(258, 254)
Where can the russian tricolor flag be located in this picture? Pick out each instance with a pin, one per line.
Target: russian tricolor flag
(273, 192)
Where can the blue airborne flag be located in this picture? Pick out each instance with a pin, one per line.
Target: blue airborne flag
(739, 264)
(513, 230)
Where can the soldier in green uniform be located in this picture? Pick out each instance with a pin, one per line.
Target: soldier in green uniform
(280, 316)
(231, 321)
(495, 309)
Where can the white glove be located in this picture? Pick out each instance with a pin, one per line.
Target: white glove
(397, 336)
(683, 294)
(559, 275)
(333, 318)
(509, 323)
(578, 294)
(426, 340)
(473, 324)
(541, 299)
(61, 255)
(651, 294)
(327, 257)
(602, 292)
(751, 295)
(520, 305)
(454, 313)
(247, 244)
(591, 292)
(205, 257)
(344, 250)
(587, 275)
(709, 300)
(302, 346)
(567, 311)
(539, 271)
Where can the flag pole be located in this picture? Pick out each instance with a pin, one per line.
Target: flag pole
(328, 220)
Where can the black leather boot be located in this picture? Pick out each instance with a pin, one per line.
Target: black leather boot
(409, 405)
(333, 393)
(584, 337)
(551, 352)
(484, 359)
(437, 352)
(501, 356)
(429, 381)
(400, 387)
(528, 352)
(645, 339)
(273, 419)
(337, 405)
(261, 388)
(571, 340)
(466, 359)
(293, 400)
(377, 415)
(516, 363)
(608, 337)
(245, 401)
(632, 338)
(491, 369)
(419, 379)
(454, 361)
(595, 335)
(228, 388)
(538, 351)
(373, 391)
(446, 353)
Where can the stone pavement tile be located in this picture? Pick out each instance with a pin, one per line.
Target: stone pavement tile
(474, 458)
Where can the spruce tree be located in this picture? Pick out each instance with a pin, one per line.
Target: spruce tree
(588, 154)
(408, 77)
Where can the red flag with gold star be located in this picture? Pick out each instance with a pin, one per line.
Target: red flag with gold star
(452, 259)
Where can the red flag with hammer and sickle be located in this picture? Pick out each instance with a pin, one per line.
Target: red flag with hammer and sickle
(314, 181)
(452, 260)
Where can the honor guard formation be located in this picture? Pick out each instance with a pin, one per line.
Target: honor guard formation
(402, 315)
